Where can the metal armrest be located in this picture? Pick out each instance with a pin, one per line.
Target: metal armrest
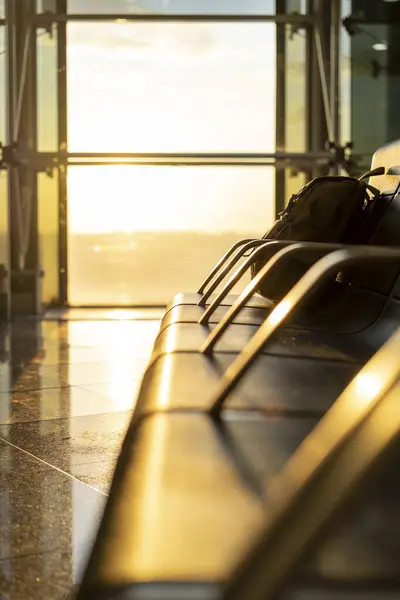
(322, 474)
(221, 262)
(312, 250)
(238, 274)
(230, 264)
(308, 285)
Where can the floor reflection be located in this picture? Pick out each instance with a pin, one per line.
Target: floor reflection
(67, 390)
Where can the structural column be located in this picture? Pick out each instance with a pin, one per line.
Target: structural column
(318, 47)
(25, 278)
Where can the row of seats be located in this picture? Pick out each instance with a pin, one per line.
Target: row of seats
(228, 402)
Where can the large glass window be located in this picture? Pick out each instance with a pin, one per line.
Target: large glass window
(47, 97)
(48, 219)
(137, 235)
(3, 174)
(186, 7)
(171, 87)
(295, 104)
(375, 75)
(345, 78)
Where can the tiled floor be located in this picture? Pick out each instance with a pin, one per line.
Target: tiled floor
(68, 386)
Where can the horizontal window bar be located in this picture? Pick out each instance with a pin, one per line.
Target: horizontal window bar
(52, 159)
(188, 155)
(165, 162)
(49, 18)
(44, 160)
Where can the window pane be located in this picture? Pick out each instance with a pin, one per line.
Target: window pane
(47, 96)
(375, 112)
(46, 6)
(3, 174)
(184, 7)
(345, 78)
(171, 87)
(294, 181)
(295, 109)
(48, 235)
(375, 75)
(138, 235)
(3, 240)
(3, 88)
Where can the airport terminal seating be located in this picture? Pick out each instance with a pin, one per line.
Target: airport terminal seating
(227, 404)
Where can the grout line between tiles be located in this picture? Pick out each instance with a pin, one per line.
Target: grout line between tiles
(52, 466)
(85, 416)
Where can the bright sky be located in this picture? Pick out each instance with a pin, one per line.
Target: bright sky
(166, 87)
(170, 87)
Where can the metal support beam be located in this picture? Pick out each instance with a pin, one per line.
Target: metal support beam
(280, 110)
(23, 160)
(63, 145)
(46, 19)
(336, 25)
(46, 161)
(21, 67)
(22, 81)
(317, 126)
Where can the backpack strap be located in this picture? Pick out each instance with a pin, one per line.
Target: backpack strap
(373, 189)
(373, 173)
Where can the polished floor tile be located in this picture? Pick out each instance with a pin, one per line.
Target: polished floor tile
(68, 386)
(68, 442)
(104, 314)
(43, 509)
(66, 402)
(119, 395)
(44, 576)
(98, 475)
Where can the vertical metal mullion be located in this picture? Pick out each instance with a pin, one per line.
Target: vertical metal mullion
(309, 87)
(335, 30)
(280, 110)
(317, 127)
(62, 145)
(10, 103)
(11, 78)
(34, 246)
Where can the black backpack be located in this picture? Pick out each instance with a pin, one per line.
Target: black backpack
(334, 210)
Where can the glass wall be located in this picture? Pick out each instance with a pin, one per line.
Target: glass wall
(48, 217)
(375, 51)
(47, 184)
(171, 87)
(345, 78)
(295, 103)
(209, 7)
(3, 174)
(47, 96)
(138, 234)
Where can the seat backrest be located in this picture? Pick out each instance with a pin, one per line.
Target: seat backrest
(380, 279)
(387, 156)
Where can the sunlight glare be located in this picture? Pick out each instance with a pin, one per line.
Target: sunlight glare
(280, 312)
